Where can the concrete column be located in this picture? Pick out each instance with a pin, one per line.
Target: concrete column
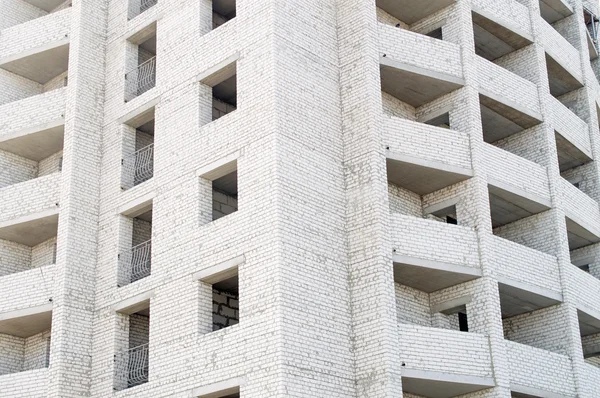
(376, 349)
(567, 308)
(485, 316)
(73, 314)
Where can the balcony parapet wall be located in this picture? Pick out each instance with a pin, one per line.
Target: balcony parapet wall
(34, 34)
(435, 241)
(31, 112)
(545, 371)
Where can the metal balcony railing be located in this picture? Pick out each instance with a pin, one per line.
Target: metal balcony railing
(136, 7)
(135, 264)
(139, 166)
(131, 367)
(140, 79)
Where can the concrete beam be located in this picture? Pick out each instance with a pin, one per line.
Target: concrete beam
(220, 272)
(135, 304)
(219, 390)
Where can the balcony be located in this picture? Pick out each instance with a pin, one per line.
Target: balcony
(562, 61)
(135, 257)
(429, 255)
(586, 289)
(538, 282)
(131, 361)
(498, 34)
(508, 101)
(139, 166)
(420, 51)
(555, 10)
(140, 79)
(32, 63)
(572, 137)
(591, 375)
(25, 340)
(424, 158)
(416, 85)
(135, 264)
(539, 373)
(443, 363)
(133, 364)
(583, 215)
(524, 193)
(411, 11)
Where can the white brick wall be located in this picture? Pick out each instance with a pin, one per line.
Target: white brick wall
(316, 220)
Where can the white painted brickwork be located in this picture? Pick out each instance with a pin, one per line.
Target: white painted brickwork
(352, 281)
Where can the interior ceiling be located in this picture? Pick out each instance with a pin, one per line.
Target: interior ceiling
(561, 80)
(46, 5)
(415, 89)
(147, 127)
(507, 207)
(41, 67)
(146, 216)
(569, 156)
(421, 179)
(226, 91)
(504, 212)
(32, 232)
(493, 40)
(515, 301)
(579, 236)
(225, 8)
(554, 10)
(36, 146)
(588, 324)
(26, 326)
(439, 389)
(228, 285)
(228, 184)
(411, 11)
(149, 45)
(500, 120)
(427, 279)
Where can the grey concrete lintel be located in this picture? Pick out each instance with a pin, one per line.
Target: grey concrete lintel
(134, 304)
(220, 272)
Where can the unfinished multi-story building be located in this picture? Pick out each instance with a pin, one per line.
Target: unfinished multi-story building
(299, 198)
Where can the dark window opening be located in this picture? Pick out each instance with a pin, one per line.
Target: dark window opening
(223, 11)
(463, 322)
(436, 34)
(225, 195)
(224, 97)
(226, 303)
